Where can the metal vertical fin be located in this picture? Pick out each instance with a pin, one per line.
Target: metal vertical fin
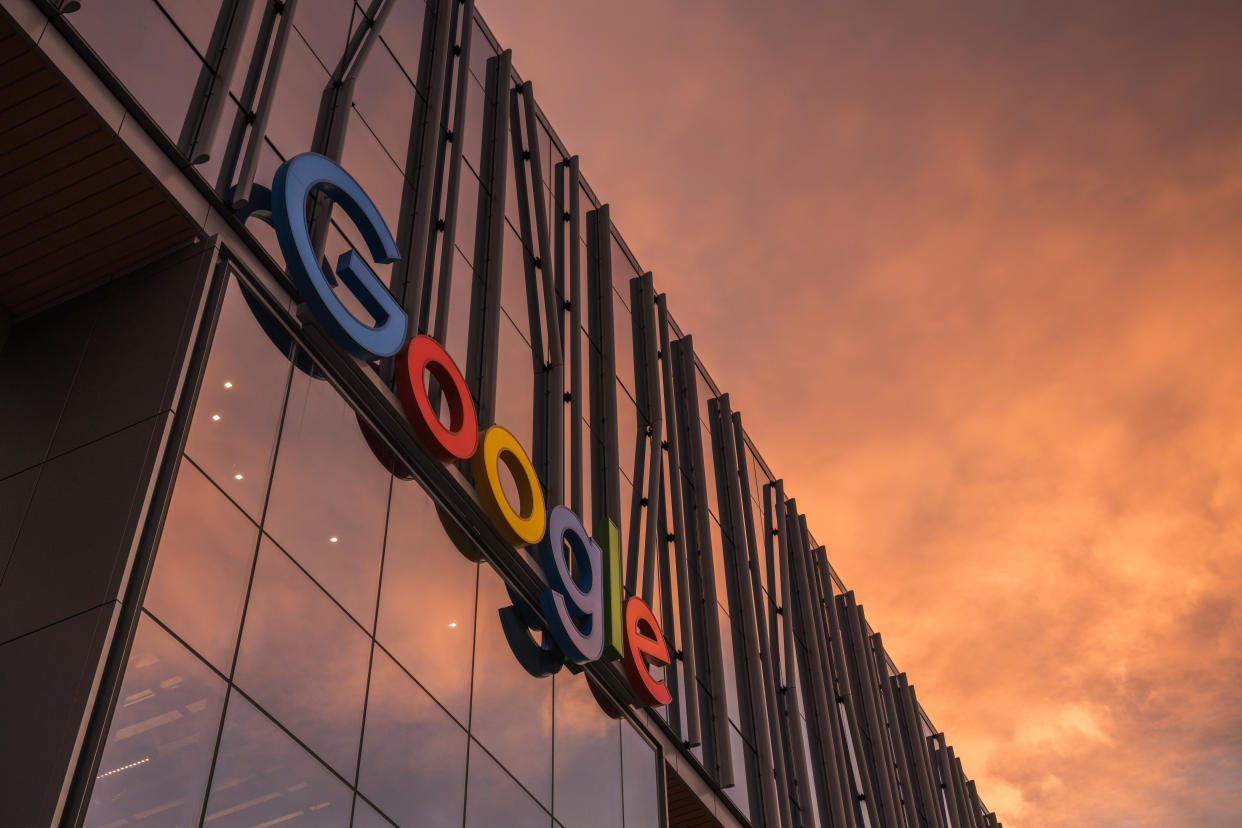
(605, 466)
(689, 640)
(484, 344)
(211, 92)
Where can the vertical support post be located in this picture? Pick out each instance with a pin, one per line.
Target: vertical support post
(484, 343)
(255, 116)
(744, 605)
(691, 634)
(416, 221)
(569, 225)
(716, 750)
(211, 92)
(648, 438)
(605, 465)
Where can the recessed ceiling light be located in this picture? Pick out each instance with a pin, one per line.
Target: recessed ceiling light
(215, 418)
(452, 623)
(228, 384)
(333, 539)
(237, 477)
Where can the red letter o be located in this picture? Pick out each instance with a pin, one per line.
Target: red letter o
(422, 355)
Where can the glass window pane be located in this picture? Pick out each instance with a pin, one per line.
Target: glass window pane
(413, 755)
(588, 758)
(513, 282)
(366, 816)
(640, 766)
(329, 497)
(303, 660)
(202, 568)
(159, 747)
(458, 338)
(195, 18)
(377, 172)
(384, 96)
(142, 48)
(403, 33)
(515, 387)
(481, 50)
(263, 777)
(522, 742)
(296, 104)
(623, 329)
(739, 792)
(493, 798)
(426, 613)
(233, 434)
(326, 26)
(467, 212)
(472, 128)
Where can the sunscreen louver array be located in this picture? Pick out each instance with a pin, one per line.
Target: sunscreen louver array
(583, 616)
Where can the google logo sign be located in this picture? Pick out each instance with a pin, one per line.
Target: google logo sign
(584, 618)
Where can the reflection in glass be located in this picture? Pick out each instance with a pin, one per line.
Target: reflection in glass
(300, 87)
(233, 433)
(640, 767)
(493, 798)
(329, 497)
(741, 754)
(513, 281)
(195, 19)
(376, 170)
(366, 816)
(143, 49)
(511, 712)
(198, 585)
(303, 660)
(426, 613)
(413, 755)
(515, 387)
(326, 26)
(403, 33)
(384, 97)
(158, 752)
(588, 758)
(263, 777)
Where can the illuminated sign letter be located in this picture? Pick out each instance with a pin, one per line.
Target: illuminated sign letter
(644, 646)
(422, 356)
(295, 181)
(614, 624)
(573, 607)
(524, 525)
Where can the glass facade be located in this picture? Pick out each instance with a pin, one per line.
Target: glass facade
(329, 656)
(312, 647)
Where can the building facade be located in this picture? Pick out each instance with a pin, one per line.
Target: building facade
(355, 473)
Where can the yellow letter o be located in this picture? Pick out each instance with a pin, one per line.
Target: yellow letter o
(525, 524)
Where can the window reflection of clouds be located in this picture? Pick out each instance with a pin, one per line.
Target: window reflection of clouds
(493, 798)
(244, 385)
(262, 777)
(588, 758)
(202, 567)
(428, 586)
(640, 766)
(159, 747)
(328, 484)
(511, 712)
(413, 755)
(367, 817)
(303, 660)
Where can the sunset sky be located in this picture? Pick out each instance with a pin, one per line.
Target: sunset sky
(972, 273)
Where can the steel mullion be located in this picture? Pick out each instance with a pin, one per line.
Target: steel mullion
(821, 585)
(817, 675)
(484, 343)
(671, 449)
(787, 695)
(553, 370)
(901, 756)
(211, 91)
(850, 700)
(250, 88)
(647, 382)
(573, 303)
(605, 466)
(262, 113)
(722, 757)
(916, 745)
(424, 151)
(762, 640)
(750, 602)
(865, 686)
(668, 613)
(959, 786)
